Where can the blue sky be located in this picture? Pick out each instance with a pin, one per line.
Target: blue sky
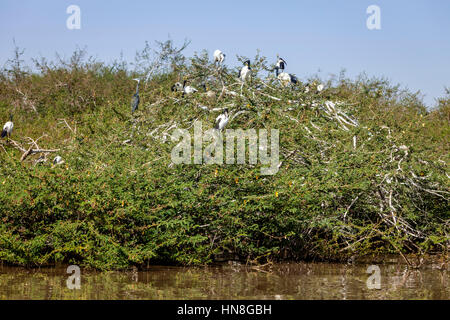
(412, 48)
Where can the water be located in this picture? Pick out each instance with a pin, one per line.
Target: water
(232, 281)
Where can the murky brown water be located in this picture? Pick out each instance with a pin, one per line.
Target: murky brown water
(231, 281)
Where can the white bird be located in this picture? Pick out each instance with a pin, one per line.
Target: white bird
(246, 71)
(287, 78)
(219, 57)
(280, 65)
(8, 128)
(58, 160)
(222, 120)
(188, 89)
(310, 86)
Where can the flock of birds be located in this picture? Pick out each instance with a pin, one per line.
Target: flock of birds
(244, 75)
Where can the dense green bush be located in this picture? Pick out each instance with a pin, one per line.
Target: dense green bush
(118, 201)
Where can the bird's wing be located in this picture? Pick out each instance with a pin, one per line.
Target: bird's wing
(135, 103)
(218, 119)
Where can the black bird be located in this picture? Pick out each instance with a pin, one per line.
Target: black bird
(136, 97)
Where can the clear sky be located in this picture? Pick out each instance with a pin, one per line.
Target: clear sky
(412, 48)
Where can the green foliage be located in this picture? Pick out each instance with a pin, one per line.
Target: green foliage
(117, 200)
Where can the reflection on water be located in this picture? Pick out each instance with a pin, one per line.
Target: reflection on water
(231, 281)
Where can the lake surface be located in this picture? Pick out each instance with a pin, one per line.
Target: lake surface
(232, 281)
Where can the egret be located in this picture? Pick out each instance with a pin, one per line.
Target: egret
(219, 57)
(136, 97)
(8, 128)
(280, 65)
(222, 120)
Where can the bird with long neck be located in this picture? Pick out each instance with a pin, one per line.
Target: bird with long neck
(136, 97)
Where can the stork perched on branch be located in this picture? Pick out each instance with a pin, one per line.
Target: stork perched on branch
(281, 64)
(245, 72)
(219, 57)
